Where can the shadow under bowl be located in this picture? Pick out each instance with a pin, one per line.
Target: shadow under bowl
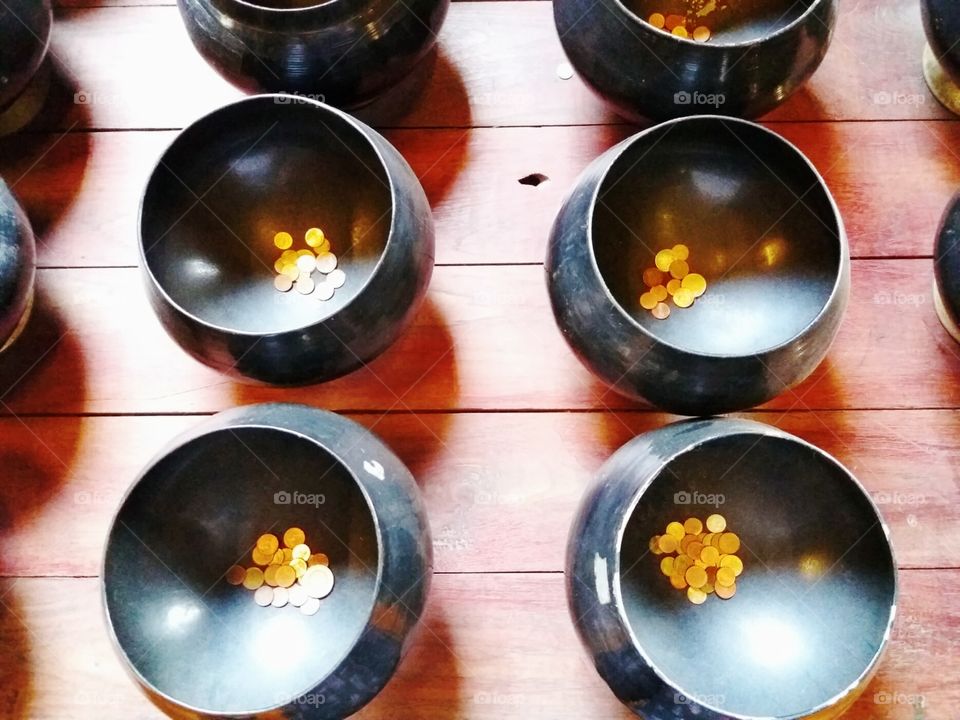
(25, 29)
(343, 52)
(814, 605)
(235, 178)
(760, 53)
(946, 269)
(18, 268)
(196, 643)
(761, 227)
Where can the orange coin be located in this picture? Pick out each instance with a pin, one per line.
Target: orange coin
(726, 592)
(729, 543)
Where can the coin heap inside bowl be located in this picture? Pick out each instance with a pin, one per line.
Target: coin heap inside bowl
(702, 563)
(289, 575)
(689, 25)
(296, 268)
(671, 277)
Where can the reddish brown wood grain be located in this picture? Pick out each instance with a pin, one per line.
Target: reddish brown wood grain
(82, 190)
(491, 646)
(134, 67)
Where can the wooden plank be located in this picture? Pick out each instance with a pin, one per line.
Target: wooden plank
(491, 646)
(490, 480)
(134, 67)
(82, 190)
(485, 339)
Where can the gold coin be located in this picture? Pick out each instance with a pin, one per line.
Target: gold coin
(696, 577)
(732, 562)
(683, 298)
(681, 31)
(729, 543)
(291, 271)
(679, 269)
(678, 582)
(659, 293)
(673, 286)
(283, 240)
(648, 301)
(652, 277)
(236, 574)
(253, 578)
(708, 587)
(303, 252)
(654, 546)
(680, 252)
(270, 575)
(314, 237)
(685, 543)
(289, 257)
(726, 577)
(701, 34)
(281, 596)
(696, 283)
(300, 566)
(682, 563)
(268, 544)
(283, 283)
(694, 549)
(286, 576)
(726, 592)
(700, 563)
(664, 259)
(287, 556)
(261, 559)
(318, 581)
(666, 566)
(668, 543)
(692, 526)
(710, 556)
(277, 557)
(279, 265)
(716, 523)
(671, 21)
(695, 595)
(327, 263)
(661, 311)
(323, 248)
(706, 539)
(675, 529)
(296, 595)
(715, 541)
(657, 20)
(310, 606)
(263, 596)
(301, 552)
(292, 537)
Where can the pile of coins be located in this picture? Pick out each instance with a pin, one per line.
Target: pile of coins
(702, 563)
(295, 268)
(679, 26)
(671, 277)
(291, 574)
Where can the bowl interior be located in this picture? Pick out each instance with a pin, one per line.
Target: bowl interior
(729, 22)
(758, 221)
(201, 641)
(234, 179)
(814, 600)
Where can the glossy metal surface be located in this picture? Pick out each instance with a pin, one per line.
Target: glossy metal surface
(18, 261)
(778, 269)
(196, 643)
(815, 603)
(345, 52)
(941, 61)
(257, 167)
(24, 39)
(946, 269)
(760, 54)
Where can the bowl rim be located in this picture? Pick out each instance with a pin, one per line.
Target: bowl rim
(187, 437)
(289, 101)
(280, 10)
(734, 428)
(618, 151)
(743, 44)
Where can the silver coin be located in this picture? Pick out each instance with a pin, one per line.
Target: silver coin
(327, 263)
(310, 607)
(296, 595)
(318, 581)
(263, 596)
(325, 290)
(306, 263)
(283, 283)
(337, 278)
(280, 597)
(564, 71)
(305, 285)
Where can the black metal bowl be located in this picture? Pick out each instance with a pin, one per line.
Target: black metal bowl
(814, 605)
(344, 52)
(760, 52)
(237, 176)
(941, 59)
(24, 39)
(197, 644)
(946, 269)
(762, 228)
(18, 262)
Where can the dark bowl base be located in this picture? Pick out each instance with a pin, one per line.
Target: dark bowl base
(944, 89)
(948, 324)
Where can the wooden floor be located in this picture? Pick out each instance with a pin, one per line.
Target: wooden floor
(482, 399)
